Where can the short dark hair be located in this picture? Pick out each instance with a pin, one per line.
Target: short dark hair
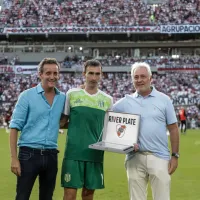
(92, 63)
(47, 61)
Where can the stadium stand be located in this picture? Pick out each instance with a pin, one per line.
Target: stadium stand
(190, 62)
(167, 62)
(5, 60)
(173, 55)
(181, 87)
(23, 13)
(183, 62)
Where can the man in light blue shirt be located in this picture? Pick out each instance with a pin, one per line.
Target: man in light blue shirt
(37, 115)
(152, 162)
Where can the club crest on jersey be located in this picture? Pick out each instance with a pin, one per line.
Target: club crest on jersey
(101, 104)
(67, 177)
(120, 130)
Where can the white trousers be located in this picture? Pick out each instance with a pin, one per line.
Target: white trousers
(142, 169)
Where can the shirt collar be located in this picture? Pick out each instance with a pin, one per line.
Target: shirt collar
(40, 89)
(152, 94)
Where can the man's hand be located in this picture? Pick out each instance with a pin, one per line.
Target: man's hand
(64, 121)
(173, 164)
(136, 147)
(15, 166)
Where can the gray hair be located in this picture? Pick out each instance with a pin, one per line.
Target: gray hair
(139, 65)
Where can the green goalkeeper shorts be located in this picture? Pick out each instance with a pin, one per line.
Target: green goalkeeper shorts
(79, 174)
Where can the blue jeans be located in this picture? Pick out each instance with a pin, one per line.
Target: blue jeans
(36, 162)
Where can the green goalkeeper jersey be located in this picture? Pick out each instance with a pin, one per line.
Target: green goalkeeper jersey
(86, 119)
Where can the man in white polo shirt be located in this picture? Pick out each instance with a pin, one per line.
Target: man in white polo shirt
(152, 162)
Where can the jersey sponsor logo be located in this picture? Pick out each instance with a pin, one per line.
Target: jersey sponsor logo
(78, 101)
(67, 177)
(120, 130)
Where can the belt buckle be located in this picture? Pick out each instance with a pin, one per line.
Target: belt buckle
(41, 152)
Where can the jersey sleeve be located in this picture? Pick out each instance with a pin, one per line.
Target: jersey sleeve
(111, 104)
(66, 110)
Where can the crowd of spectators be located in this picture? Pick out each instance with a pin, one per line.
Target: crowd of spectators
(122, 60)
(72, 62)
(7, 4)
(183, 88)
(5, 60)
(37, 13)
(158, 61)
(189, 62)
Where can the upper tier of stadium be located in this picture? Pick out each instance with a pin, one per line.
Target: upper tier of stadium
(37, 13)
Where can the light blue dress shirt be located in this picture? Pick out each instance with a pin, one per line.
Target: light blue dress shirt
(156, 111)
(36, 119)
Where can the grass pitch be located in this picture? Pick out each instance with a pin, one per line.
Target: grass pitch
(185, 181)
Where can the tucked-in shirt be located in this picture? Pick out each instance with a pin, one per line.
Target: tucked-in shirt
(37, 120)
(156, 111)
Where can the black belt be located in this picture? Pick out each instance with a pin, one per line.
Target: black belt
(40, 151)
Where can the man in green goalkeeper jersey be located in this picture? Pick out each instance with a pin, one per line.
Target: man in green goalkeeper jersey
(84, 111)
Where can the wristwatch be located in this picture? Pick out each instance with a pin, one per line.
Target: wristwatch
(176, 155)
